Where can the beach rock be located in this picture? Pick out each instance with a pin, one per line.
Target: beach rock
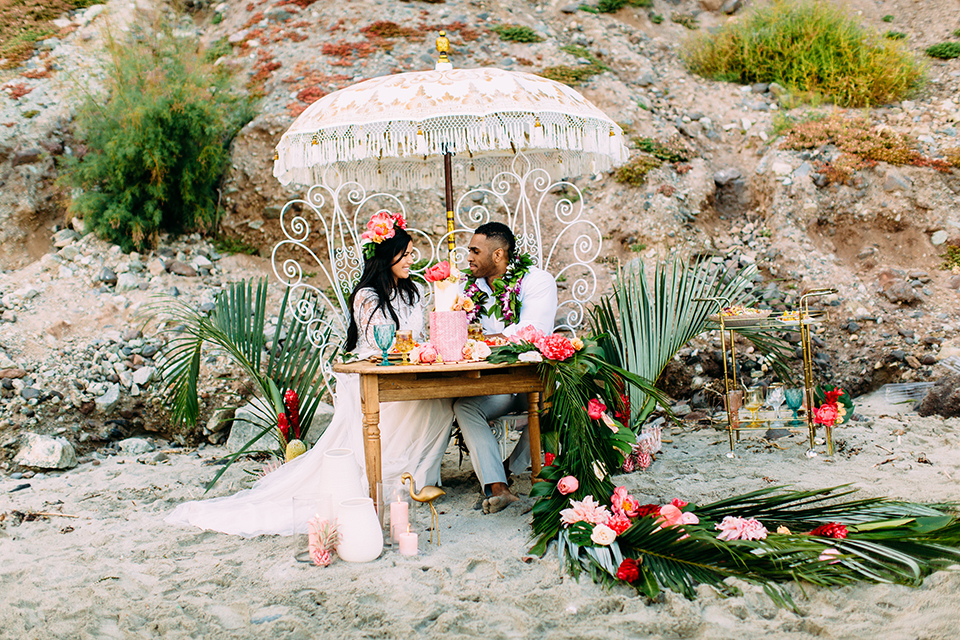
(731, 6)
(127, 282)
(182, 269)
(107, 402)
(12, 373)
(248, 422)
(943, 398)
(143, 376)
(220, 419)
(135, 446)
(107, 276)
(46, 453)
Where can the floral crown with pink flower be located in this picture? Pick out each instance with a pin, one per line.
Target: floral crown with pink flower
(382, 226)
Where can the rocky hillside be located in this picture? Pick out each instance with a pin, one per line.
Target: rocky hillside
(76, 362)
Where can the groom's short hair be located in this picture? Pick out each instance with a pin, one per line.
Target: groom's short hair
(501, 235)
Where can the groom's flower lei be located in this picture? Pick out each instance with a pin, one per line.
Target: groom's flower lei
(506, 290)
(382, 226)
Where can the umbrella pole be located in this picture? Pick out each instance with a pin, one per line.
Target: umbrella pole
(448, 184)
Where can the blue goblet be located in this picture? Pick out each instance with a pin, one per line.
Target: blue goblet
(794, 398)
(383, 334)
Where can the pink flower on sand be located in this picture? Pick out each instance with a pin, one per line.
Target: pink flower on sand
(595, 409)
(619, 523)
(556, 347)
(623, 503)
(586, 510)
(567, 485)
(529, 333)
(671, 516)
(603, 535)
(734, 528)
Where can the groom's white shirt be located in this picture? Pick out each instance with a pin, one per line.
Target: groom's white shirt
(538, 304)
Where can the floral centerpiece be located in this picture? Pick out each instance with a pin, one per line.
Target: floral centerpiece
(834, 407)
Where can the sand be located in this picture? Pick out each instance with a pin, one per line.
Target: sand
(118, 571)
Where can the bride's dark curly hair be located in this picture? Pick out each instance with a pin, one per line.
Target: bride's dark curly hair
(377, 275)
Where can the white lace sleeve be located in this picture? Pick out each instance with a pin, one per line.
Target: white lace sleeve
(367, 315)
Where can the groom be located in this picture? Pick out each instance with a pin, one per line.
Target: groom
(509, 293)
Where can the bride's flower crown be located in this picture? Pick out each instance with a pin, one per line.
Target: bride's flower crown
(382, 226)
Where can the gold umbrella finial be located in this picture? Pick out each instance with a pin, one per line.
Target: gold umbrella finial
(443, 46)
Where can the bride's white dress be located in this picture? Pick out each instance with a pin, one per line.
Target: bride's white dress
(413, 437)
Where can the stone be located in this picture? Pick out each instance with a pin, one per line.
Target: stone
(149, 351)
(928, 359)
(760, 87)
(107, 276)
(65, 237)
(46, 452)
(711, 5)
(776, 434)
(781, 168)
(220, 419)
(156, 267)
(8, 316)
(182, 269)
(12, 373)
(731, 6)
(725, 176)
(135, 446)
(573, 7)
(912, 362)
(248, 422)
(27, 156)
(939, 237)
(321, 420)
(953, 282)
(107, 402)
(201, 262)
(943, 398)
(143, 376)
(29, 393)
(127, 282)
(895, 181)
(646, 79)
(901, 292)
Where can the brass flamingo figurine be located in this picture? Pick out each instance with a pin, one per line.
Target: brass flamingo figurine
(428, 495)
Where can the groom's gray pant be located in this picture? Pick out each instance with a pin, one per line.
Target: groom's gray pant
(473, 416)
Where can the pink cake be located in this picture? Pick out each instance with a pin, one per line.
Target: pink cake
(448, 333)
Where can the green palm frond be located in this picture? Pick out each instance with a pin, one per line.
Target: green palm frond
(236, 327)
(646, 322)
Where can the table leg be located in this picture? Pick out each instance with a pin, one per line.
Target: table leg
(370, 402)
(533, 431)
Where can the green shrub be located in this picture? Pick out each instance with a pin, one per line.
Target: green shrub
(887, 18)
(895, 35)
(674, 150)
(217, 50)
(810, 48)
(516, 33)
(156, 142)
(217, 18)
(656, 18)
(944, 50)
(634, 173)
(956, 33)
(612, 6)
(951, 259)
(687, 20)
(575, 75)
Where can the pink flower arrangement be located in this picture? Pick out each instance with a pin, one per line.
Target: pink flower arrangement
(567, 485)
(623, 503)
(587, 510)
(734, 528)
(595, 409)
(826, 415)
(556, 347)
(529, 334)
(381, 226)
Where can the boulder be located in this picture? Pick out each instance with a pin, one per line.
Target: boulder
(46, 452)
(943, 398)
(143, 376)
(135, 446)
(107, 402)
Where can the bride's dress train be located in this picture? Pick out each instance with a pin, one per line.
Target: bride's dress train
(413, 437)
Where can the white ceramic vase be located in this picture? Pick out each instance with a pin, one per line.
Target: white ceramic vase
(361, 537)
(340, 477)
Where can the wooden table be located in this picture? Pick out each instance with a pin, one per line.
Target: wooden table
(421, 382)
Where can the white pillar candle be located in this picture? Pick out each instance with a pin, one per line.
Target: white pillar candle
(399, 518)
(408, 544)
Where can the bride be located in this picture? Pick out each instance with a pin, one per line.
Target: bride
(414, 434)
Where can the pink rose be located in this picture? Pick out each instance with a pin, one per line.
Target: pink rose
(438, 272)
(826, 415)
(428, 353)
(567, 485)
(595, 409)
(556, 347)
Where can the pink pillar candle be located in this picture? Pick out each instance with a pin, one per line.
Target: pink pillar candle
(408, 544)
(399, 518)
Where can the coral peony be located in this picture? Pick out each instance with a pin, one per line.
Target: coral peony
(586, 510)
(438, 272)
(629, 570)
(826, 415)
(619, 523)
(567, 485)
(556, 347)
(734, 528)
(530, 334)
(624, 503)
(595, 409)
(603, 535)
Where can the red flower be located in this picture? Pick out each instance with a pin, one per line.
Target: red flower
(399, 221)
(826, 415)
(830, 530)
(548, 459)
(678, 503)
(438, 272)
(595, 409)
(556, 347)
(648, 510)
(283, 426)
(624, 415)
(629, 570)
(292, 402)
(832, 396)
(619, 523)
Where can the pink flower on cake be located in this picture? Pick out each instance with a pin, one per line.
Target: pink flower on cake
(734, 528)
(567, 485)
(623, 503)
(587, 510)
(603, 535)
(619, 523)
(438, 272)
(595, 409)
(556, 347)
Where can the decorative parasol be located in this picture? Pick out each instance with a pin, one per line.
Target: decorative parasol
(389, 132)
